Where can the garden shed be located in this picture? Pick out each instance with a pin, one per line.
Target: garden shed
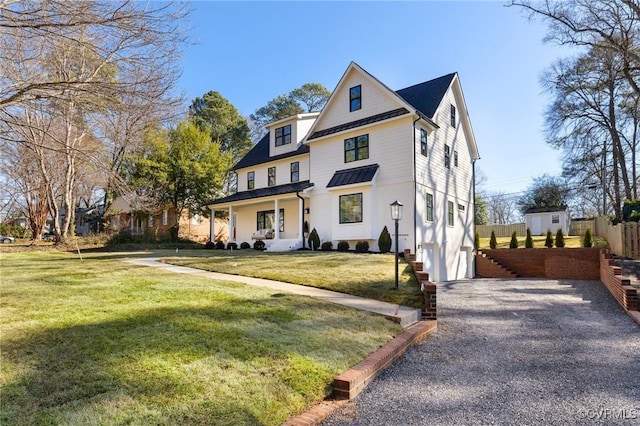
(541, 219)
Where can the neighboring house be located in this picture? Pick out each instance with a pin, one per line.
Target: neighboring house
(339, 170)
(122, 216)
(542, 219)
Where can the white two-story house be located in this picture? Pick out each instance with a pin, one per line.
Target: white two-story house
(339, 170)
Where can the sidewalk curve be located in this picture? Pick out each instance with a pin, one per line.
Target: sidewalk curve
(403, 315)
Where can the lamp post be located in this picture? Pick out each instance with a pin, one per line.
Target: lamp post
(396, 215)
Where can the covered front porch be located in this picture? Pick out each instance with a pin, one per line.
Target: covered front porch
(276, 216)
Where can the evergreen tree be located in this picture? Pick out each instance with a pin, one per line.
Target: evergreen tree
(559, 238)
(587, 241)
(384, 242)
(493, 244)
(528, 243)
(514, 241)
(314, 240)
(549, 241)
(476, 242)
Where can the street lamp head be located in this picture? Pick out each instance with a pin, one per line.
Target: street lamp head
(396, 210)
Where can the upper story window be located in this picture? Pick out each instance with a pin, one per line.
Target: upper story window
(355, 98)
(295, 171)
(271, 176)
(423, 142)
(251, 180)
(455, 158)
(351, 208)
(430, 207)
(283, 135)
(356, 148)
(450, 213)
(150, 221)
(447, 156)
(453, 116)
(165, 217)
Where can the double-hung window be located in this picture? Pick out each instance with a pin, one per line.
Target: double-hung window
(447, 156)
(356, 148)
(295, 171)
(351, 208)
(429, 207)
(455, 158)
(271, 176)
(251, 180)
(283, 135)
(355, 98)
(450, 213)
(453, 116)
(423, 142)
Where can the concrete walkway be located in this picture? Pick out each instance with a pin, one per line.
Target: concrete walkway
(512, 352)
(403, 315)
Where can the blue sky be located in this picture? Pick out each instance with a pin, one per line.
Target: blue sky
(251, 52)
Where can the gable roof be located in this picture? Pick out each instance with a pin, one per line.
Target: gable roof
(427, 96)
(259, 154)
(545, 209)
(354, 175)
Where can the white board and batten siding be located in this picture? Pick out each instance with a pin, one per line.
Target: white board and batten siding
(446, 251)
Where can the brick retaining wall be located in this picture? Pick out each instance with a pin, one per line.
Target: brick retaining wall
(555, 263)
(620, 288)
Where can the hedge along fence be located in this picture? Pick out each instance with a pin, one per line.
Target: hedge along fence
(484, 231)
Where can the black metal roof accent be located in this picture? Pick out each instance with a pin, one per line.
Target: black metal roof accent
(259, 154)
(358, 123)
(427, 96)
(355, 175)
(287, 188)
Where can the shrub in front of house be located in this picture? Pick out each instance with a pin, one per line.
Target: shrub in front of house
(245, 245)
(528, 242)
(559, 238)
(259, 245)
(232, 246)
(493, 243)
(343, 246)
(326, 246)
(220, 245)
(514, 241)
(314, 240)
(362, 246)
(384, 241)
(210, 245)
(548, 243)
(587, 240)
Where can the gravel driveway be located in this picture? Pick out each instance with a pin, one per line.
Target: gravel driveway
(525, 352)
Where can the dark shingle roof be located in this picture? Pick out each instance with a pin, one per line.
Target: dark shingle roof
(427, 96)
(259, 154)
(358, 123)
(264, 192)
(545, 209)
(355, 175)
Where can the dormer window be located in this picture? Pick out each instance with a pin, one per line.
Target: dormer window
(271, 176)
(251, 180)
(283, 135)
(355, 98)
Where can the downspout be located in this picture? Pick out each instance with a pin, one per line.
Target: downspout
(473, 177)
(301, 218)
(415, 191)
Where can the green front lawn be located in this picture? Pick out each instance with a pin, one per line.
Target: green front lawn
(367, 275)
(101, 342)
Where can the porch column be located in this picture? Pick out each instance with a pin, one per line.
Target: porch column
(232, 226)
(277, 220)
(301, 221)
(212, 225)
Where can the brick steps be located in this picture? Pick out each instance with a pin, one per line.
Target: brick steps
(486, 267)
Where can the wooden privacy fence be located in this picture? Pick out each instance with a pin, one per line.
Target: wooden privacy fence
(580, 227)
(623, 238)
(484, 231)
